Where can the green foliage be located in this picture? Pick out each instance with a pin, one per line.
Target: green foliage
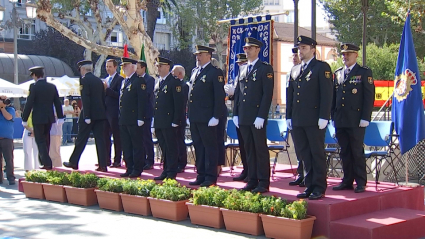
(58, 178)
(110, 185)
(170, 189)
(273, 205)
(36, 176)
(244, 201)
(138, 187)
(210, 196)
(88, 180)
(296, 210)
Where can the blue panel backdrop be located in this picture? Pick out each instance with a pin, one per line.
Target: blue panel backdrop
(261, 29)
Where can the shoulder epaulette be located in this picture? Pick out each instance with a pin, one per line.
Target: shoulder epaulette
(339, 69)
(365, 67)
(266, 63)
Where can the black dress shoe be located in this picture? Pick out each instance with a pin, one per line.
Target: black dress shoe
(46, 167)
(302, 184)
(316, 196)
(343, 186)
(12, 182)
(297, 181)
(135, 175)
(102, 169)
(260, 189)
(116, 165)
(249, 187)
(359, 189)
(240, 177)
(304, 194)
(207, 184)
(160, 177)
(180, 170)
(70, 165)
(196, 182)
(148, 166)
(124, 175)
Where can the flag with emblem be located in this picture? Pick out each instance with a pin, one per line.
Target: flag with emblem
(408, 109)
(124, 55)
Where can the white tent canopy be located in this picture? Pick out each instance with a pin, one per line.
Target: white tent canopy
(11, 90)
(65, 85)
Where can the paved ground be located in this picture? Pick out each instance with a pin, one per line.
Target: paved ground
(38, 219)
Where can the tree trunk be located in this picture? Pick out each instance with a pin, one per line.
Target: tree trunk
(98, 66)
(152, 14)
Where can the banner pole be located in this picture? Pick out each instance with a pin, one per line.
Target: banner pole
(269, 14)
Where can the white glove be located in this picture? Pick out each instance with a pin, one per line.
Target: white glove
(140, 122)
(24, 123)
(60, 121)
(363, 123)
(213, 122)
(322, 123)
(259, 123)
(187, 122)
(174, 125)
(88, 121)
(332, 123)
(229, 89)
(236, 121)
(289, 124)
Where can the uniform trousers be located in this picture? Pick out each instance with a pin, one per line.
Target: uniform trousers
(352, 155)
(309, 142)
(84, 130)
(242, 152)
(167, 139)
(133, 150)
(204, 139)
(258, 156)
(221, 129)
(300, 168)
(181, 136)
(147, 142)
(42, 138)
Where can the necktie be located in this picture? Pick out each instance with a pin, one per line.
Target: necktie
(199, 72)
(161, 82)
(303, 67)
(109, 81)
(347, 71)
(249, 68)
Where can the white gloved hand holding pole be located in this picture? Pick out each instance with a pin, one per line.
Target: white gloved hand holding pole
(322, 123)
(229, 89)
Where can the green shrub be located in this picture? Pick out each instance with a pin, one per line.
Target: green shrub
(210, 196)
(58, 178)
(88, 180)
(243, 201)
(170, 189)
(295, 210)
(110, 185)
(273, 205)
(36, 176)
(138, 187)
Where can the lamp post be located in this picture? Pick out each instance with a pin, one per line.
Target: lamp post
(295, 21)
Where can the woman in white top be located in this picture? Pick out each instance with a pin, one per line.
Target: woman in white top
(31, 160)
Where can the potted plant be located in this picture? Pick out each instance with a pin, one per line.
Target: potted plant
(168, 200)
(241, 212)
(81, 191)
(108, 193)
(33, 187)
(283, 220)
(135, 196)
(204, 206)
(53, 189)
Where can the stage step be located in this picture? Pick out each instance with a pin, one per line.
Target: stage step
(394, 223)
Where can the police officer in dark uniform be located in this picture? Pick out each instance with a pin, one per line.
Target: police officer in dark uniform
(92, 117)
(300, 169)
(133, 100)
(205, 107)
(354, 95)
(167, 116)
(230, 91)
(253, 97)
(308, 109)
(42, 97)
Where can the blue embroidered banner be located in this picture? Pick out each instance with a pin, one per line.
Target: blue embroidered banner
(261, 29)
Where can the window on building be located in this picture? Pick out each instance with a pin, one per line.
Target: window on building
(115, 39)
(276, 2)
(162, 40)
(27, 31)
(276, 18)
(20, 3)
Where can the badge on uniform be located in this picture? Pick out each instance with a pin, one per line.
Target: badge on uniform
(143, 86)
(129, 87)
(220, 78)
(178, 88)
(254, 76)
(354, 91)
(328, 74)
(270, 75)
(307, 78)
(165, 89)
(81, 87)
(203, 78)
(370, 80)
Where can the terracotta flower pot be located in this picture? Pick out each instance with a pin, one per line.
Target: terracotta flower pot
(81, 196)
(244, 222)
(280, 227)
(166, 209)
(109, 200)
(54, 192)
(205, 215)
(136, 204)
(33, 190)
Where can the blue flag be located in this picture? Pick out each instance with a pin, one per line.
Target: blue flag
(408, 109)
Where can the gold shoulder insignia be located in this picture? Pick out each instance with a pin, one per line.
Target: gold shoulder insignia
(143, 86)
(220, 78)
(178, 88)
(270, 75)
(328, 74)
(370, 80)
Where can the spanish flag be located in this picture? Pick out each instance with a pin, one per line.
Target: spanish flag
(124, 55)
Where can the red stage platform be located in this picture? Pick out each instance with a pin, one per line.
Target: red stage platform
(381, 212)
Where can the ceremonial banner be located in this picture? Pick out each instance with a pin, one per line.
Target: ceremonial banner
(260, 28)
(408, 109)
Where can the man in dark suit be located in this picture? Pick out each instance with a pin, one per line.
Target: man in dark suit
(133, 110)
(353, 98)
(230, 91)
(179, 73)
(147, 133)
(308, 109)
(112, 89)
(206, 99)
(168, 110)
(253, 97)
(92, 117)
(300, 169)
(41, 99)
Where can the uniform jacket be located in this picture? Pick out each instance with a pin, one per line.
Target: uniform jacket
(168, 103)
(93, 97)
(353, 96)
(42, 97)
(112, 96)
(133, 100)
(150, 85)
(206, 99)
(309, 94)
(185, 89)
(253, 93)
